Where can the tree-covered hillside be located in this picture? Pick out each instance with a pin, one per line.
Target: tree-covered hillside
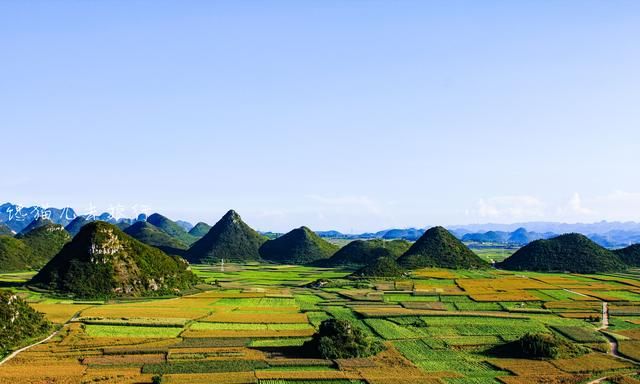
(629, 255)
(103, 261)
(14, 255)
(566, 253)
(172, 228)
(300, 246)
(363, 252)
(19, 323)
(385, 266)
(44, 242)
(230, 239)
(439, 248)
(154, 236)
(200, 229)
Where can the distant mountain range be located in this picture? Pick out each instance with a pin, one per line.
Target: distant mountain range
(604, 233)
(17, 217)
(150, 256)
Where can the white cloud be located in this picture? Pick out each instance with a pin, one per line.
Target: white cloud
(522, 207)
(615, 206)
(575, 205)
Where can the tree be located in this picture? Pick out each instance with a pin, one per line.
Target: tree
(547, 346)
(339, 339)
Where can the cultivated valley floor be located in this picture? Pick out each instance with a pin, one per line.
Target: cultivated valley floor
(438, 326)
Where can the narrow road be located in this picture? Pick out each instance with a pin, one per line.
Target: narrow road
(613, 343)
(18, 351)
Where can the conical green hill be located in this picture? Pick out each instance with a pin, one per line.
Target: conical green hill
(103, 261)
(200, 229)
(363, 252)
(438, 248)
(300, 246)
(230, 239)
(571, 253)
(382, 267)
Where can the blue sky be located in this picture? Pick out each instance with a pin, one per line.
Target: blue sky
(353, 115)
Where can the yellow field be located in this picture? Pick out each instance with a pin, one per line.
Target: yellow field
(440, 327)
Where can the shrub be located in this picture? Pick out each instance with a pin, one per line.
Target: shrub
(339, 339)
(547, 346)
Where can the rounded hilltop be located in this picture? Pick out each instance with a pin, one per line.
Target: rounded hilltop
(299, 246)
(571, 252)
(438, 248)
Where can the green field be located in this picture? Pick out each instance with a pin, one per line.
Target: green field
(247, 324)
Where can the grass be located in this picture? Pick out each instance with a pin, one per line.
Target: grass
(131, 331)
(580, 334)
(250, 325)
(206, 366)
(247, 326)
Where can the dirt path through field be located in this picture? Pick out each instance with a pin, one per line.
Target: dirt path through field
(18, 351)
(613, 343)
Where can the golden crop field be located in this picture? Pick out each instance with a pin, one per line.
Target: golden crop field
(439, 327)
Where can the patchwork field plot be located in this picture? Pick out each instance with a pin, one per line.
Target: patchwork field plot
(440, 326)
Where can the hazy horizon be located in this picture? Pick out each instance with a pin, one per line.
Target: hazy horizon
(336, 115)
(532, 226)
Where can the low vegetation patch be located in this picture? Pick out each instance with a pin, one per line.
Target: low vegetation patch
(339, 339)
(204, 366)
(540, 346)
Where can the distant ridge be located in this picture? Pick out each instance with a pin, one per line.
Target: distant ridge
(36, 223)
(629, 255)
(230, 239)
(18, 217)
(439, 248)
(200, 229)
(518, 237)
(154, 236)
(33, 249)
(44, 242)
(74, 227)
(187, 226)
(171, 228)
(566, 253)
(600, 227)
(608, 234)
(299, 246)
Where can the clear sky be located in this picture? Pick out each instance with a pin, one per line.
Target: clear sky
(349, 115)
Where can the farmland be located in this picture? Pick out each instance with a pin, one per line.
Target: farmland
(247, 325)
